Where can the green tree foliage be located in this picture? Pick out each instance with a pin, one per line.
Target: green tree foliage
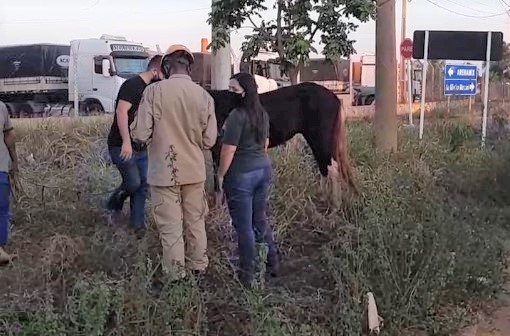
(297, 25)
(501, 70)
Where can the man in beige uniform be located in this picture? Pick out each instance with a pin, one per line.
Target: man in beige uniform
(176, 117)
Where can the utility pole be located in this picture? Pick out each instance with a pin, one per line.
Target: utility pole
(385, 121)
(402, 61)
(221, 70)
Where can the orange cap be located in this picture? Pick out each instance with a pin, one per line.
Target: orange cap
(179, 47)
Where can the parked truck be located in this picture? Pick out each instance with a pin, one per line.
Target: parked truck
(45, 79)
(364, 80)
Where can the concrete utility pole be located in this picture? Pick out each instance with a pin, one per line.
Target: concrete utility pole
(402, 61)
(385, 122)
(220, 64)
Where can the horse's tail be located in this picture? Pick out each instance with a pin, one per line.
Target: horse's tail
(341, 150)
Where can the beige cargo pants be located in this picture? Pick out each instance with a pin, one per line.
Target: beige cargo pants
(180, 214)
(209, 172)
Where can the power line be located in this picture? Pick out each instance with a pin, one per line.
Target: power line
(465, 15)
(462, 5)
(504, 3)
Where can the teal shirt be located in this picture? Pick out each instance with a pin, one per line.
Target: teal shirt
(250, 153)
(5, 125)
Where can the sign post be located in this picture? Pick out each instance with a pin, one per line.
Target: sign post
(410, 89)
(424, 82)
(461, 46)
(486, 91)
(406, 51)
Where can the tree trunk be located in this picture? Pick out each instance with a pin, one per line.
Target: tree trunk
(385, 121)
(294, 73)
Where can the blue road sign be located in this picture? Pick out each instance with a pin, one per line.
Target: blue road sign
(460, 80)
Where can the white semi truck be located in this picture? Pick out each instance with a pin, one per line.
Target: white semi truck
(45, 79)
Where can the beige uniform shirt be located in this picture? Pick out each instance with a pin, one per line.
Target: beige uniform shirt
(176, 118)
(5, 125)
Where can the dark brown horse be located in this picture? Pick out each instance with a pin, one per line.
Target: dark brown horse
(308, 109)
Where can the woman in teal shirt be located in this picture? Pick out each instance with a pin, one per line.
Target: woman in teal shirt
(246, 176)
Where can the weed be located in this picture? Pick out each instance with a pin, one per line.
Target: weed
(426, 236)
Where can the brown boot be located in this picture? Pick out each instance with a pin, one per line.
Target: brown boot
(5, 258)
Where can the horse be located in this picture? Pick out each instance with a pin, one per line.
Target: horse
(308, 109)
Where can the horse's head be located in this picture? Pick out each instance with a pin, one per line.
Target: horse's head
(224, 102)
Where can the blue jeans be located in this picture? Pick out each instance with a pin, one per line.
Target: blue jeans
(247, 198)
(134, 185)
(5, 192)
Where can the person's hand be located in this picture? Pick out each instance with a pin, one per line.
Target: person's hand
(220, 183)
(14, 168)
(126, 152)
(220, 196)
(15, 181)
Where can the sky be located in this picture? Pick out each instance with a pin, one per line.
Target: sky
(165, 22)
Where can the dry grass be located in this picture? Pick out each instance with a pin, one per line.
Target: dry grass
(426, 236)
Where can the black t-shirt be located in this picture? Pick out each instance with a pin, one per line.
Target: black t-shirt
(250, 153)
(131, 91)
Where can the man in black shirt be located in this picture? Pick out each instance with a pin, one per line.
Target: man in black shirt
(131, 158)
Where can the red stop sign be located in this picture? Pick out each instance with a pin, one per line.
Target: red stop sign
(406, 48)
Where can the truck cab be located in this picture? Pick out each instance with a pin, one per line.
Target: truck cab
(98, 67)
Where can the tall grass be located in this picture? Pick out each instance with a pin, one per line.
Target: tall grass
(426, 236)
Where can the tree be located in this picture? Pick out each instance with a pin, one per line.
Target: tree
(385, 118)
(501, 70)
(297, 25)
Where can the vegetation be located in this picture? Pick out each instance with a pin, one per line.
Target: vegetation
(499, 70)
(427, 237)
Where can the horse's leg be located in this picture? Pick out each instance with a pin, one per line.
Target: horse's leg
(321, 150)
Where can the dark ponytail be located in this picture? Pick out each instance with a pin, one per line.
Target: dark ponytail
(257, 115)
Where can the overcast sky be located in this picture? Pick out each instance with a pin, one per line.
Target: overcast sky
(165, 22)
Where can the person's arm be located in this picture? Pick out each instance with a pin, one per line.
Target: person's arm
(226, 158)
(10, 142)
(232, 131)
(142, 126)
(123, 123)
(266, 134)
(210, 133)
(9, 137)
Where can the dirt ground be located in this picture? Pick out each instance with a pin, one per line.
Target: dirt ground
(496, 323)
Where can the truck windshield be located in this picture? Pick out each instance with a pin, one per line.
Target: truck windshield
(129, 67)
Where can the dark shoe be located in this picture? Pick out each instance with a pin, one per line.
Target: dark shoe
(116, 200)
(274, 268)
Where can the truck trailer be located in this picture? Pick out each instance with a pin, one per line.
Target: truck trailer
(41, 80)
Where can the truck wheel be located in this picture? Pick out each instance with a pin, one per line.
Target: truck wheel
(370, 100)
(94, 108)
(25, 111)
(11, 108)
